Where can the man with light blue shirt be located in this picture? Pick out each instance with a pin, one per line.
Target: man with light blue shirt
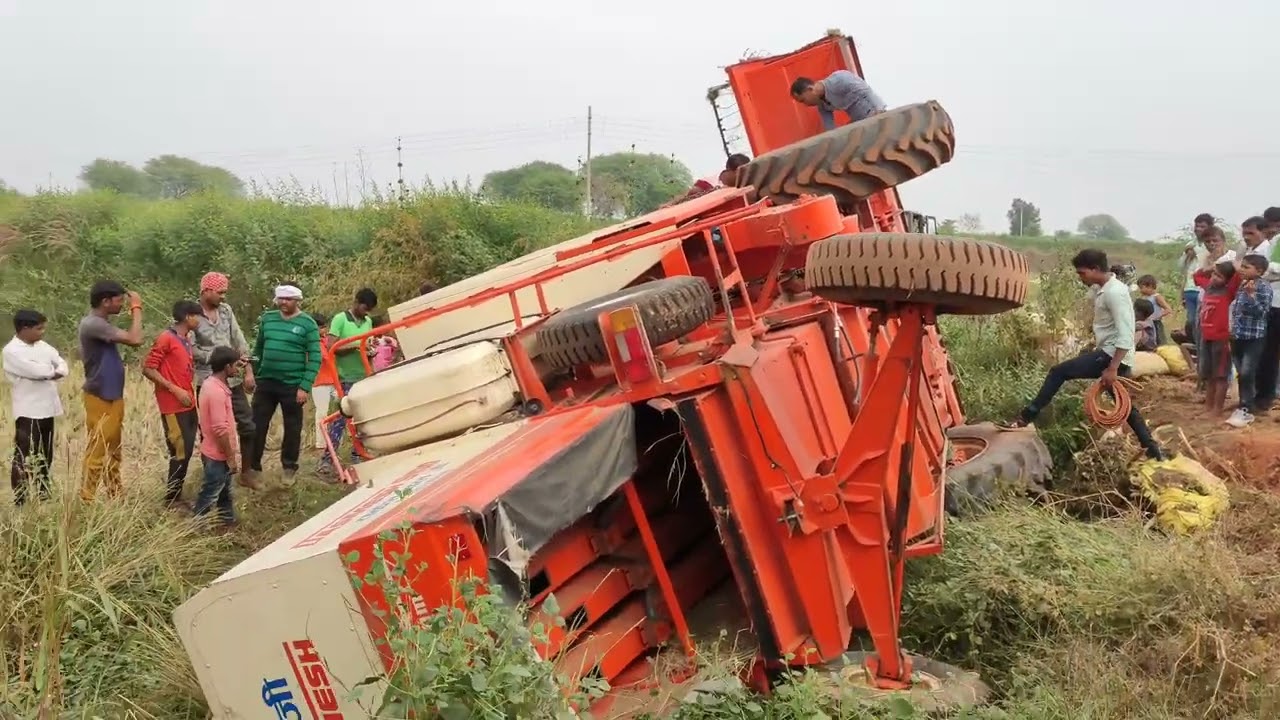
(841, 90)
(1112, 354)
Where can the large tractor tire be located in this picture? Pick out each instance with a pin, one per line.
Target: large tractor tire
(858, 160)
(990, 461)
(669, 308)
(956, 275)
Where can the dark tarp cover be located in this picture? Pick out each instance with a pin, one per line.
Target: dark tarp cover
(581, 475)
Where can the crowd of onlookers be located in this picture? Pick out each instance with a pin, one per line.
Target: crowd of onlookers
(216, 393)
(1232, 299)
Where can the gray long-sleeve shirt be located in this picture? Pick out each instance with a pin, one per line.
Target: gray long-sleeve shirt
(209, 335)
(848, 93)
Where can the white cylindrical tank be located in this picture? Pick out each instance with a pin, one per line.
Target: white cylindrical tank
(430, 397)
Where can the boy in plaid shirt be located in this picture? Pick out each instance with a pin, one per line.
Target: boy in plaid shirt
(1249, 312)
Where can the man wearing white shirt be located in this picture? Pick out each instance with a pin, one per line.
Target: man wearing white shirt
(1253, 239)
(33, 368)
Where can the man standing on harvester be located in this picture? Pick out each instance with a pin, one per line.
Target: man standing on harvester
(841, 90)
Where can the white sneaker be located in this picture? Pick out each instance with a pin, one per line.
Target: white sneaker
(1240, 418)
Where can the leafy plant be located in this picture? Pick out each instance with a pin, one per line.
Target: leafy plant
(470, 658)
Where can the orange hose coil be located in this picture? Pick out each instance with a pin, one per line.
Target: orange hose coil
(1104, 417)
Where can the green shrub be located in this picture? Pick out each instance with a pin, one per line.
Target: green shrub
(63, 242)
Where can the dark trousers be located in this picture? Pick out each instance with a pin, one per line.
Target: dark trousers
(180, 438)
(1269, 361)
(215, 490)
(268, 396)
(243, 414)
(1247, 356)
(1191, 301)
(1088, 366)
(32, 456)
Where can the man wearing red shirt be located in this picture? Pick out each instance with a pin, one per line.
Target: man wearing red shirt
(170, 366)
(322, 392)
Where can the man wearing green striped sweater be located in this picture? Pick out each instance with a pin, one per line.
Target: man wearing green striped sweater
(286, 358)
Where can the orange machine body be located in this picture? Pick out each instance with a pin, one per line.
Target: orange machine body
(816, 433)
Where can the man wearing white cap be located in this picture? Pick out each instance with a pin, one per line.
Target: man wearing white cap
(286, 360)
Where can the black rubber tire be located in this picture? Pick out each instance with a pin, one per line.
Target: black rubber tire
(955, 689)
(959, 276)
(669, 308)
(857, 160)
(1012, 461)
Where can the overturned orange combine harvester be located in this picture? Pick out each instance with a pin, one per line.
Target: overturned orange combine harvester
(781, 334)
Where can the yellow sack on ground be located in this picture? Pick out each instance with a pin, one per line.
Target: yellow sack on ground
(1172, 355)
(1186, 496)
(1148, 363)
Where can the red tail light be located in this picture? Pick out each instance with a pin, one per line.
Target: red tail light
(631, 350)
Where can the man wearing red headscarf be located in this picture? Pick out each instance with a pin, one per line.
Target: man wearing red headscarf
(218, 327)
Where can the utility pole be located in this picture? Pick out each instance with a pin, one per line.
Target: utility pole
(346, 185)
(400, 168)
(364, 178)
(336, 198)
(587, 169)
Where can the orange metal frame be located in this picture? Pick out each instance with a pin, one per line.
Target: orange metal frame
(823, 478)
(772, 119)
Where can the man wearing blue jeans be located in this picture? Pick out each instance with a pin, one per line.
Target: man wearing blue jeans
(351, 366)
(219, 442)
(1112, 357)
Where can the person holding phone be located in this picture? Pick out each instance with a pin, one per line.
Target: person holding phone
(104, 383)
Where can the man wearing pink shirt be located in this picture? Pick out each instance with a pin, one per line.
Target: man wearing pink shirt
(219, 443)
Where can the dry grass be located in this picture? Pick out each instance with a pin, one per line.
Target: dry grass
(87, 591)
(1109, 616)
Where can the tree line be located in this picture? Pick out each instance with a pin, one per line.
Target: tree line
(164, 176)
(623, 184)
(1024, 221)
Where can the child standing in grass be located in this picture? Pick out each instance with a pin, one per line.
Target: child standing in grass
(1249, 310)
(33, 368)
(322, 392)
(1219, 285)
(1144, 338)
(1147, 288)
(171, 367)
(219, 443)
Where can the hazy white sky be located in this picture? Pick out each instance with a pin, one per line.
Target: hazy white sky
(1152, 111)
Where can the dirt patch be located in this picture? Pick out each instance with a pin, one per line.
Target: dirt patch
(1248, 456)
